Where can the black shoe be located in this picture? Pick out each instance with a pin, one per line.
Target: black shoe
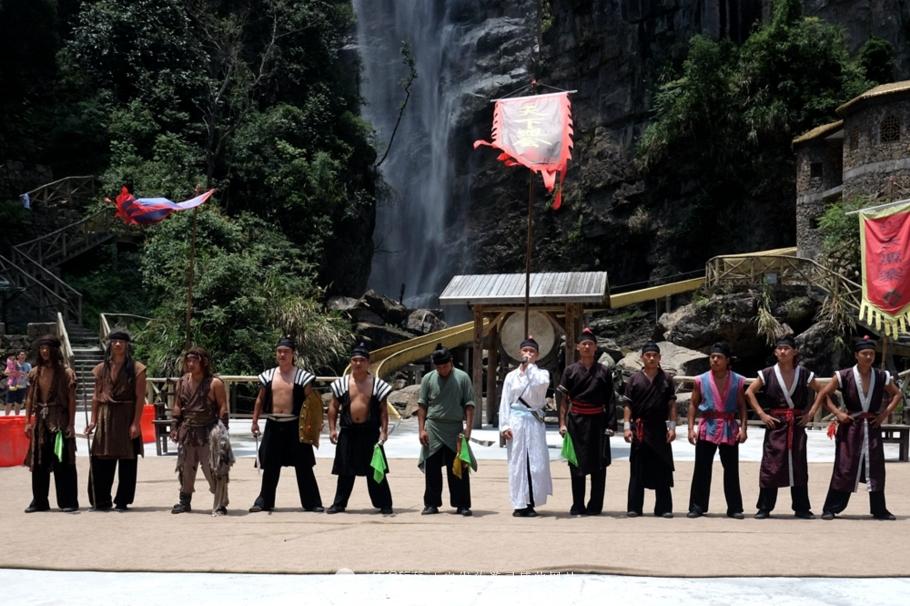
(694, 514)
(532, 513)
(121, 508)
(335, 509)
(591, 512)
(429, 510)
(315, 509)
(221, 511)
(736, 515)
(762, 514)
(464, 511)
(887, 515)
(667, 514)
(520, 513)
(32, 508)
(101, 508)
(827, 515)
(259, 505)
(576, 511)
(70, 509)
(386, 511)
(183, 506)
(804, 515)
(632, 514)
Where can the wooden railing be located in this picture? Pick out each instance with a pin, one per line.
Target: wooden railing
(104, 323)
(782, 269)
(160, 390)
(69, 241)
(62, 191)
(65, 345)
(49, 293)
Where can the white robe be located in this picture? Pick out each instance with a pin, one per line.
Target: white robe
(529, 436)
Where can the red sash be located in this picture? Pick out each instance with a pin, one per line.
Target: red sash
(789, 416)
(585, 408)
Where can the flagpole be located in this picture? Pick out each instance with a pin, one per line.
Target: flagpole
(191, 261)
(528, 253)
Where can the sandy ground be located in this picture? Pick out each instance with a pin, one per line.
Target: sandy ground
(149, 538)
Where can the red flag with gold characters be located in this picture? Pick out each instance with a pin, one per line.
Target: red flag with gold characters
(885, 247)
(535, 132)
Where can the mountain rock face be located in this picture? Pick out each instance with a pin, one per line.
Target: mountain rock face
(612, 54)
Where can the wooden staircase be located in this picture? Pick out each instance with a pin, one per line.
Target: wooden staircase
(32, 267)
(87, 353)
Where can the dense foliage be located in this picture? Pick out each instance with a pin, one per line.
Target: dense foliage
(253, 97)
(719, 148)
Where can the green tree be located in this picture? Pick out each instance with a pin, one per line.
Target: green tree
(251, 286)
(717, 157)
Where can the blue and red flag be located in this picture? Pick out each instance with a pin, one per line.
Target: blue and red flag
(145, 211)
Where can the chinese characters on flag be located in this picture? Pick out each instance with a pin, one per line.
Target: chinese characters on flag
(535, 132)
(885, 247)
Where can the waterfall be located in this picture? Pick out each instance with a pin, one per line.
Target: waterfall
(416, 236)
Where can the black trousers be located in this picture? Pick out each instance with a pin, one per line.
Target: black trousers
(380, 494)
(101, 481)
(767, 498)
(459, 490)
(598, 487)
(837, 501)
(636, 501)
(701, 478)
(530, 486)
(65, 481)
(307, 487)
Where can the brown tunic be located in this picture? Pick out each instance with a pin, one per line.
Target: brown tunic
(784, 460)
(850, 466)
(116, 397)
(51, 415)
(199, 412)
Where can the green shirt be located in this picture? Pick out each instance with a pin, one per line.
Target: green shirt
(444, 401)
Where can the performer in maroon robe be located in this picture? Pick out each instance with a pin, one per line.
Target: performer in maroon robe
(783, 397)
(587, 386)
(649, 424)
(859, 454)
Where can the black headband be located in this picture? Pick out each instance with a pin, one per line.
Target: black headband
(119, 335)
(441, 355)
(723, 349)
(287, 341)
(587, 335)
(530, 342)
(865, 343)
(360, 351)
(650, 346)
(50, 340)
(786, 341)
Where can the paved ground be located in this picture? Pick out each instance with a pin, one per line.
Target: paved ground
(149, 538)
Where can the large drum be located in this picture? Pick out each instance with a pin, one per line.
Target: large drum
(539, 326)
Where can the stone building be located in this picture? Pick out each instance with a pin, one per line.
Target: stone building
(864, 154)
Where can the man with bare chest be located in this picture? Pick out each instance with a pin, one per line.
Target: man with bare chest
(360, 399)
(282, 393)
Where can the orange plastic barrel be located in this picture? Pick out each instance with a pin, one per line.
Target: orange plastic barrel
(13, 441)
(146, 425)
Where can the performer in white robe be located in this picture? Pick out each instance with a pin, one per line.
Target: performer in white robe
(522, 426)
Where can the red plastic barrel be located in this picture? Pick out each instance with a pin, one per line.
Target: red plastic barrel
(146, 425)
(13, 441)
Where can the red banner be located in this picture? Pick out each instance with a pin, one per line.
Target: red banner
(885, 237)
(535, 132)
